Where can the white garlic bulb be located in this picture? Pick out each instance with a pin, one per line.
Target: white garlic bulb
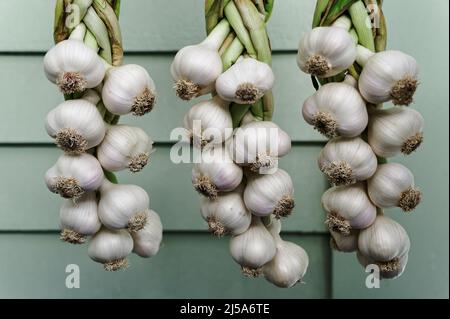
(226, 214)
(129, 89)
(123, 147)
(111, 248)
(253, 248)
(195, 68)
(270, 194)
(395, 130)
(389, 75)
(216, 172)
(385, 243)
(344, 243)
(91, 95)
(209, 122)
(326, 51)
(347, 160)
(79, 219)
(392, 185)
(73, 66)
(71, 176)
(336, 109)
(123, 206)
(348, 207)
(76, 125)
(245, 82)
(289, 265)
(148, 240)
(259, 145)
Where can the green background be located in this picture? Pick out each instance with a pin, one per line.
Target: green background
(191, 263)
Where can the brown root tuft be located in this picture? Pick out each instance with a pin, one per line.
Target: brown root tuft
(216, 227)
(186, 90)
(71, 82)
(138, 162)
(317, 65)
(389, 266)
(339, 173)
(336, 223)
(71, 142)
(204, 186)
(248, 93)
(412, 143)
(325, 124)
(403, 91)
(409, 199)
(251, 272)
(137, 222)
(284, 207)
(143, 103)
(72, 237)
(116, 264)
(68, 187)
(263, 161)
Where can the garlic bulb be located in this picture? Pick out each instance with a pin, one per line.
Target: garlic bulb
(389, 75)
(216, 172)
(76, 125)
(270, 194)
(71, 176)
(348, 207)
(344, 243)
(253, 248)
(347, 160)
(395, 130)
(209, 122)
(289, 265)
(259, 145)
(123, 206)
(226, 214)
(245, 82)
(79, 219)
(111, 247)
(195, 68)
(326, 51)
(128, 89)
(73, 66)
(336, 109)
(385, 243)
(392, 185)
(148, 240)
(124, 147)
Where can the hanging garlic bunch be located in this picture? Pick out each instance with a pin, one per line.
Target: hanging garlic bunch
(237, 174)
(84, 126)
(356, 75)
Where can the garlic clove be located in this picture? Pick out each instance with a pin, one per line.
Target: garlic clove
(79, 219)
(347, 160)
(392, 185)
(395, 130)
(253, 248)
(270, 194)
(76, 126)
(73, 66)
(326, 51)
(389, 75)
(148, 240)
(72, 176)
(344, 243)
(111, 248)
(129, 89)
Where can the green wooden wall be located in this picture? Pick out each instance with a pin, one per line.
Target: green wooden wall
(191, 263)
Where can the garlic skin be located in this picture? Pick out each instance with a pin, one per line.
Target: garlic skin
(76, 126)
(245, 82)
(344, 243)
(395, 130)
(79, 219)
(73, 66)
(259, 145)
(129, 89)
(336, 109)
(389, 75)
(123, 206)
(289, 265)
(216, 173)
(385, 243)
(392, 185)
(209, 122)
(91, 96)
(248, 118)
(348, 207)
(253, 248)
(124, 147)
(347, 160)
(148, 240)
(226, 214)
(72, 176)
(195, 68)
(326, 51)
(270, 194)
(111, 247)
